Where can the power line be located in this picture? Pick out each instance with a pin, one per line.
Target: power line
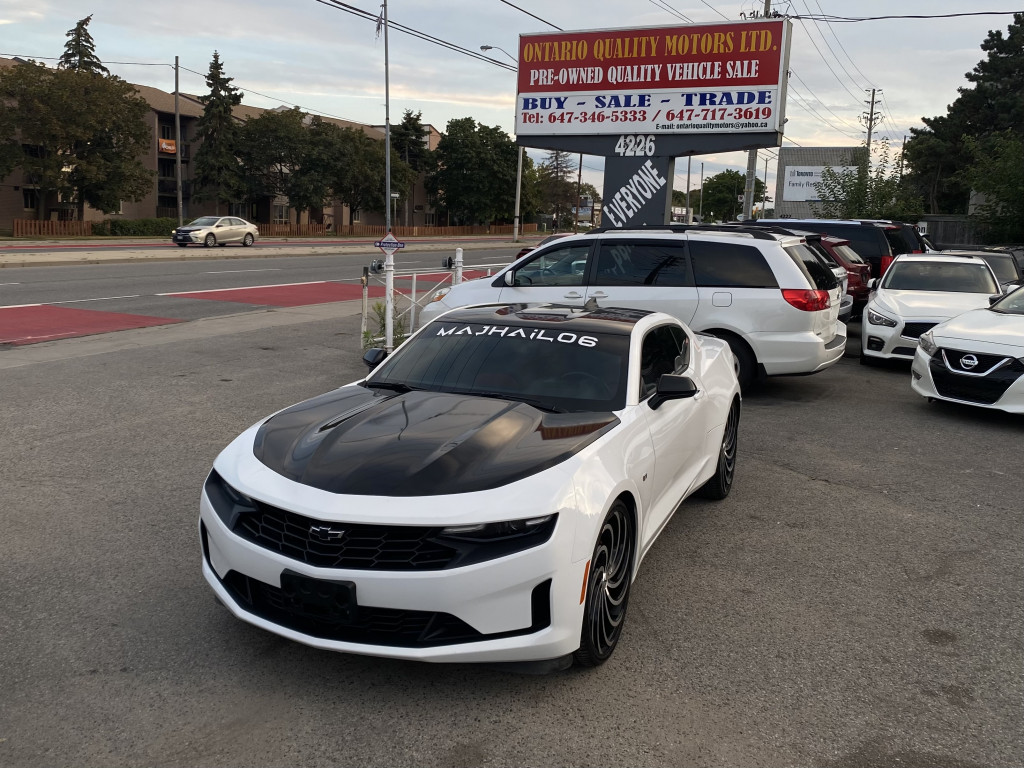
(808, 108)
(822, 56)
(666, 7)
(845, 19)
(830, 49)
(360, 13)
(709, 5)
(843, 49)
(538, 18)
(820, 101)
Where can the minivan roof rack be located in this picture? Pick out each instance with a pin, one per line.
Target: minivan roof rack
(758, 233)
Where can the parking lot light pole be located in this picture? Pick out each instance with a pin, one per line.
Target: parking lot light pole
(519, 167)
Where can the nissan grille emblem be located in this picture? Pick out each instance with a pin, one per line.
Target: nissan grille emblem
(325, 533)
(968, 362)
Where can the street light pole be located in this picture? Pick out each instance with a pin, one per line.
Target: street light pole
(389, 260)
(519, 166)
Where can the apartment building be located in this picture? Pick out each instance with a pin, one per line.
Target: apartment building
(19, 197)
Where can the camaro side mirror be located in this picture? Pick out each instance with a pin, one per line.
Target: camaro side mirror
(672, 387)
(374, 357)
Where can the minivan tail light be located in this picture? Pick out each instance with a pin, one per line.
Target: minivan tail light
(808, 301)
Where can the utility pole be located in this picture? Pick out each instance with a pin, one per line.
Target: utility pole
(701, 211)
(519, 185)
(689, 211)
(870, 118)
(579, 195)
(177, 144)
(748, 191)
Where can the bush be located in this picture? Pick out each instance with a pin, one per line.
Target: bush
(135, 227)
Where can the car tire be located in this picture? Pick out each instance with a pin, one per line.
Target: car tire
(182, 245)
(720, 484)
(609, 578)
(746, 363)
(210, 241)
(247, 240)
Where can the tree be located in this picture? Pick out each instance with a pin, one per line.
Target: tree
(474, 179)
(998, 174)
(355, 169)
(721, 195)
(77, 136)
(80, 50)
(272, 149)
(216, 170)
(409, 142)
(938, 157)
(557, 176)
(869, 192)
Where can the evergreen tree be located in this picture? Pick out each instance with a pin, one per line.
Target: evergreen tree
(939, 156)
(80, 50)
(557, 178)
(216, 168)
(409, 142)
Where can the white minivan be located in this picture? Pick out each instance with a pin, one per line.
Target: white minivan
(768, 295)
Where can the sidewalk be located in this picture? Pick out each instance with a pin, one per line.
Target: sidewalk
(78, 251)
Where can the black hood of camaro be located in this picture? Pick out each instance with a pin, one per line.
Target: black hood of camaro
(357, 441)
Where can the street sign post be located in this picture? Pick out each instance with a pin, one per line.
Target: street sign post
(389, 245)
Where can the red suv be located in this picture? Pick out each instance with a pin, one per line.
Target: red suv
(857, 270)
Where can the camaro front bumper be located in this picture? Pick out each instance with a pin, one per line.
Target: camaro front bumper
(520, 607)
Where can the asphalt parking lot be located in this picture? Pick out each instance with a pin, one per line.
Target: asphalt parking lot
(856, 601)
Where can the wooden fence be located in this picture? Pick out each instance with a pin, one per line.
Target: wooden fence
(33, 228)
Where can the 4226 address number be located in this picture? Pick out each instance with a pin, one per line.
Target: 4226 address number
(635, 146)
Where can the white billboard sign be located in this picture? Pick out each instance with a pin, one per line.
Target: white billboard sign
(800, 180)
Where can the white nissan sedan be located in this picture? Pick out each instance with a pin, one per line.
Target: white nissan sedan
(486, 494)
(976, 358)
(918, 292)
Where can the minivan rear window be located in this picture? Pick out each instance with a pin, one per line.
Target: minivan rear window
(810, 263)
(725, 265)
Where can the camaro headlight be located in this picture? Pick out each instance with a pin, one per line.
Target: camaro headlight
(877, 319)
(494, 531)
(439, 294)
(927, 343)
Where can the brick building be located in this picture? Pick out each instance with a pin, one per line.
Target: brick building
(18, 196)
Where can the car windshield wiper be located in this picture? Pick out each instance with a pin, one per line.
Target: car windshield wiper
(540, 405)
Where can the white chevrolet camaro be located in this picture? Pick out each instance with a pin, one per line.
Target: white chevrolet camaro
(486, 494)
(976, 358)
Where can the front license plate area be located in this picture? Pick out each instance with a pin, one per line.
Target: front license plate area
(329, 601)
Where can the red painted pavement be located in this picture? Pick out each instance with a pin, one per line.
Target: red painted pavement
(30, 325)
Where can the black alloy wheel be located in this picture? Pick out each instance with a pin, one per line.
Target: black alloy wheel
(210, 241)
(720, 484)
(608, 583)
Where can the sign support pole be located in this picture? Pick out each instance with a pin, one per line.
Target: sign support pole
(389, 260)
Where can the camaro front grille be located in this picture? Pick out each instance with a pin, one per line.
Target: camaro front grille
(360, 546)
(984, 390)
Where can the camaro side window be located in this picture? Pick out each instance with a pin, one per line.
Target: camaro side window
(558, 266)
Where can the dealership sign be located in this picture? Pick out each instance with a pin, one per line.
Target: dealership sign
(801, 182)
(698, 78)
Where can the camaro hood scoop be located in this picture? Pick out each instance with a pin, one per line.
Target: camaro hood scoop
(356, 441)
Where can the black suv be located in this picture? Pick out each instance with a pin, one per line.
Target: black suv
(872, 240)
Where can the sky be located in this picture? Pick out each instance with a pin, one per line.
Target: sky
(312, 54)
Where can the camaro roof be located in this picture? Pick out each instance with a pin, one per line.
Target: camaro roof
(578, 319)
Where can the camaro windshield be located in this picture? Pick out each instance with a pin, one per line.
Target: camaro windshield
(940, 276)
(541, 364)
(1013, 304)
(205, 221)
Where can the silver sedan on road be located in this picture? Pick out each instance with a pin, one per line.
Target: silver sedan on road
(216, 230)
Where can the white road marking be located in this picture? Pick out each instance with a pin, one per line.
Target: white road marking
(227, 272)
(10, 283)
(102, 298)
(246, 288)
